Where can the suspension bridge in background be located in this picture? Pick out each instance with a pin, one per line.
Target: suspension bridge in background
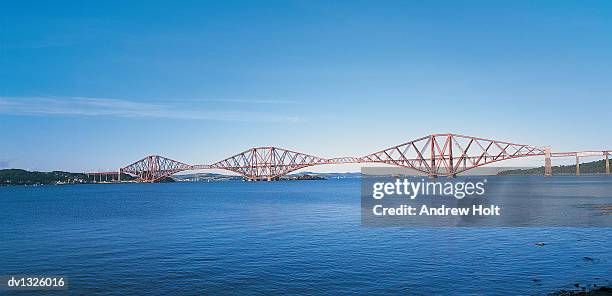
(433, 155)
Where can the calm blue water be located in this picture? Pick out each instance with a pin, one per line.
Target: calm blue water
(301, 237)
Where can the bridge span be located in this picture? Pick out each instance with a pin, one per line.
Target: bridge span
(434, 155)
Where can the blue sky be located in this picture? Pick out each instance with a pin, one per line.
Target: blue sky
(96, 85)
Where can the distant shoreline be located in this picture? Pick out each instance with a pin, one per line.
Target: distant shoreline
(16, 177)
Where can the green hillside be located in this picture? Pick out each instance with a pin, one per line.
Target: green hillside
(23, 177)
(594, 167)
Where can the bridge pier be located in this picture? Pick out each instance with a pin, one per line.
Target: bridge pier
(547, 162)
(607, 164)
(577, 165)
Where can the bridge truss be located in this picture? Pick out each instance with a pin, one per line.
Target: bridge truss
(450, 154)
(436, 154)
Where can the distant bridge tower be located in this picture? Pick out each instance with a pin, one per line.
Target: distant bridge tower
(607, 163)
(547, 162)
(154, 168)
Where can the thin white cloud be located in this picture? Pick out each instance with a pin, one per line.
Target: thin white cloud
(254, 101)
(84, 106)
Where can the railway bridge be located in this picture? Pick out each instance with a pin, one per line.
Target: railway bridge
(434, 155)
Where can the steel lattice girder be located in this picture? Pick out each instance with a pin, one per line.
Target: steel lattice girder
(154, 168)
(267, 162)
(435, 154)
(450, 154)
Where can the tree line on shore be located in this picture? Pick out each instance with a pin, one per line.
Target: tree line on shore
(594, 167)
(23, 177)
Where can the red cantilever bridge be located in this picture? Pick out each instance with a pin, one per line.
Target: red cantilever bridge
(436, 154)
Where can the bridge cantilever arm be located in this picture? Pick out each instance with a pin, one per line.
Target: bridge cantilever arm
(450, 152)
